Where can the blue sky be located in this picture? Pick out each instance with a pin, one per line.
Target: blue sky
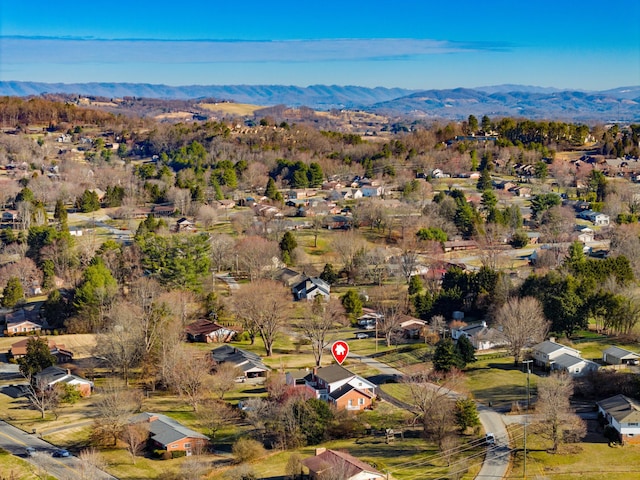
(589, 44)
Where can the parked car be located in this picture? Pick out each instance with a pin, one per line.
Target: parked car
(60, 453)
(361, 335)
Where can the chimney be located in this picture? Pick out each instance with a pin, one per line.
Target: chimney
(315, 371)
(552, 339)
(68, 371)
(320, 451)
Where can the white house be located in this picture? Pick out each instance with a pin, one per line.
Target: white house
(480, 335)
(574, 366)
(596, 218)
(545, 353)
(310, 288)
(372, 191)
(623, 414)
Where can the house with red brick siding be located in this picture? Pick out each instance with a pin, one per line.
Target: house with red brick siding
(170, 435)
(336, 385)
(623, 414)
(52, 376)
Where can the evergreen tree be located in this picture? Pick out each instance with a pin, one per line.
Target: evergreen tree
(37, 358)
(467, 414)
(328, 274)
(288, 243)
(60, 214)
(88, 202)
(12, 293)
(465, 350)
(352, 303)
(48, 274)
(315, 175)
(415, 285)
(445, 357)
(271, 191)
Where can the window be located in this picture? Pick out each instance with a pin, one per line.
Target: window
(350, 403)
(361, 401)
(187, 445)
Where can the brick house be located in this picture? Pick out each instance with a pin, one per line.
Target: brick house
(348, 466)
(52, 376)
(170, 435)
(335, 385)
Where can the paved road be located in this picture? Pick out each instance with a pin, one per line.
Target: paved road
(15, 441)
(496, 462)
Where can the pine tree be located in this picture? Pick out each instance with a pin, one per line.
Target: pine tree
(38, 357)
(60, 214)
(445, 357)
(465, 350)
(271, 191)
(12, 293)
(415, 285)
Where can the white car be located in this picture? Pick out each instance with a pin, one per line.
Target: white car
(361, 335)
(490, 439)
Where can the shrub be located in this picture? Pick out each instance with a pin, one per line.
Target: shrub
(247, 449)
(178, 454)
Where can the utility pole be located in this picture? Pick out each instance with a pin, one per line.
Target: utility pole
(526, 418)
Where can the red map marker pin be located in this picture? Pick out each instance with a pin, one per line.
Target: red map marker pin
(340, 350)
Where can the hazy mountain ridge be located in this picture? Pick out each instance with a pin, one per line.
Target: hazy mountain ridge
(618, 104)
(314, 96)
(621, 104)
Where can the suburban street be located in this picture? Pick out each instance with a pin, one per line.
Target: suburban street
(496, 462)
(15, 441)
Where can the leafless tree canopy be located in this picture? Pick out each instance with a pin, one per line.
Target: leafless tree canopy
(320, 318)
(264, 309)
(522, 322)
(558, 421)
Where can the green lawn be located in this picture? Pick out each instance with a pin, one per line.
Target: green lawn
(593, 459)
(14, 468)
(498, 381)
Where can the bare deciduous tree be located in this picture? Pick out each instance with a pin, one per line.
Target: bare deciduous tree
(91, 464)
(41, 396)
(263, 308)
(190, 377)
(558, 422)
(348, 245)
(256, 256)
(522, 322)
(224, 378)
(390, 302)
(222, 256)
(432, 400)
(135, 436)
(121, 346)
(215, 415)
(115, 404)
(322, 316)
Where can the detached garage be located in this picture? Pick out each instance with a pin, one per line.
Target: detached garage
(619, 356)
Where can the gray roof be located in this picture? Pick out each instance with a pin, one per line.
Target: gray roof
(620, 353)
(567, 361)
(309, 284)
(334, 373)
(343, 390)
(623, 409)
(549, 347)
(165, 430)
(54, 374)
(246, 361)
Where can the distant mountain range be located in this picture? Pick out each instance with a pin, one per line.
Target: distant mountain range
(619, 104)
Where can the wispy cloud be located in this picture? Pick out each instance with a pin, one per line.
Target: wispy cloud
(69, 50)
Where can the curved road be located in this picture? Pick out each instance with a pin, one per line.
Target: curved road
(496, 462)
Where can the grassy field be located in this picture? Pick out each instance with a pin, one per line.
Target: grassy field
(14, 468)
(80, 344)
(496, 380)
(593, 459)
(231, 108)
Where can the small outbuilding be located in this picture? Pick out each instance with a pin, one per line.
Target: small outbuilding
(620, 356)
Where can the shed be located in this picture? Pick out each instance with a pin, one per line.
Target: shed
(619, 356)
